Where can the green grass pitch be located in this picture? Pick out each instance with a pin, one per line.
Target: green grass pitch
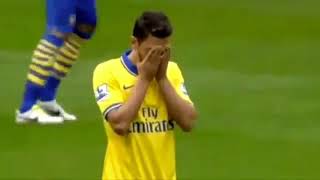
(251, 67)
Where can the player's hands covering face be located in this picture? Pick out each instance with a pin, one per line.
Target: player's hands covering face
(165, 57)
(149, 66)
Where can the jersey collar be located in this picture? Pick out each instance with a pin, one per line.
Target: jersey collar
(127, 63)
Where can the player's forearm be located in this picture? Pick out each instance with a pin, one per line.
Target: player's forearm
(122, 118)
(180, 110)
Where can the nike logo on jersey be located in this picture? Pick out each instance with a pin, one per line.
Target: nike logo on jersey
(127, 87)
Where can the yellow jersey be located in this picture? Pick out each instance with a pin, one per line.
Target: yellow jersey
(148, 151)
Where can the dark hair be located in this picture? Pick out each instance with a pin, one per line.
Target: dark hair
(152, 22)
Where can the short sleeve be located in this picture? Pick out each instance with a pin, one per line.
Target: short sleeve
(178, 83)
(106, 89)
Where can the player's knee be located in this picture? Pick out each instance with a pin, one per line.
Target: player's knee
(56, 37)
(85, 31)
(58, 34)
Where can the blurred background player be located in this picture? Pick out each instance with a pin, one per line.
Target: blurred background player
(69, 24)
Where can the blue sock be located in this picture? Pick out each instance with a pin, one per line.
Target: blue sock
(49, 91)
(33, 88)
(53, 39)
(31, 95)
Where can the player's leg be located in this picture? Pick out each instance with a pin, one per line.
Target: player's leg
(83, 30)
(58, 26)
(86, 15)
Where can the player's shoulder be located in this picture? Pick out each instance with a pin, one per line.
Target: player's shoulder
(173, 68)
(108, 65)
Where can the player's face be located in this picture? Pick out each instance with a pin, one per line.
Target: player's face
(146, 45)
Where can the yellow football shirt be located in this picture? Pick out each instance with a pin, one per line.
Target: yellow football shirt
(148, 151)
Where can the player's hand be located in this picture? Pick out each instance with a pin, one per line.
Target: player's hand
(149, 66)
(162, 71)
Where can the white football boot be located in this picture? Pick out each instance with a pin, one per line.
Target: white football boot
(54, 109)
(36, 114)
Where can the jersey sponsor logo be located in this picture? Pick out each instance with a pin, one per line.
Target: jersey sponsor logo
(125, 87)
(102, 93)
(151, 127)
(150, 112)
(152, 122)
(183, 89)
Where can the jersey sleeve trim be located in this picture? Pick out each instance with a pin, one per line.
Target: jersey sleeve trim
(111, 108)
